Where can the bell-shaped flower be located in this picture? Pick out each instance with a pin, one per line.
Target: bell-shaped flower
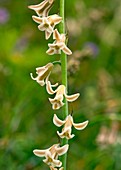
(42, 73)
(51, 154)
(60, 92)
(52, 168)
(68, 123)
(47, 24)
(58, 44)
(43, 8)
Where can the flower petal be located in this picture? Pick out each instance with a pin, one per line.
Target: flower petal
(57, 121)
(51, 1)
(57, 106)
(66, 133)
(61, 135)
(39, 153)
(41, 27)
(48, 88)
(57, 19)
(43, 8)
(80, 126)
(41, 82)
(37, 19)
(41, 70)
(72, 98)
(50, 29)
(52, 168)
(62, 150)
(54, 85)
(38, 6)
(56, 35)
(56, 163)
(47, 35)
(50, 51)
(66, 50)
(51, 45)
(62, 168)
(33, 77)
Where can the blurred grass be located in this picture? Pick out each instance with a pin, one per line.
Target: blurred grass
(26, 115)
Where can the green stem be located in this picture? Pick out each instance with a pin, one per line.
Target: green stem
(64, 77)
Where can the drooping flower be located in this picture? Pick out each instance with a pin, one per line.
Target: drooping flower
(51, 154)
(58, 44)
(57, 102)
(42, 73)
(52, 168)
(43, 8)
(47, 24)
(68, 123)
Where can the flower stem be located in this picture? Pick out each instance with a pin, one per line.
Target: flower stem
(64, 76)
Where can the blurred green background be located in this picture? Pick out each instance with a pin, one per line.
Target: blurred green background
(94, 31)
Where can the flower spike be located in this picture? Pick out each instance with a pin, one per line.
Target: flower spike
(47, 24)
(43, 73)
(43, 8)
(57, 102)
(68, 123)
(58, 44)
(51, 154)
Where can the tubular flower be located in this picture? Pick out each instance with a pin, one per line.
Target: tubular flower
(52, 168)
(68, 123)
(51, 154)
(43, 73)
(47, 24)
(58, 44)
(43, 8)
(57, 102)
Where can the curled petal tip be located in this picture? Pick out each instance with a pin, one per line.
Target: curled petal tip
(73, 97)
(80, 126)
(66, 50)
(29, 6)
(57, 121)
(62, 150)
(37, 19)
(31, 74)
(39, 153)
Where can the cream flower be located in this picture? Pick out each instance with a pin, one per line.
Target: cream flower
(52, 168)
(58, 44)
(43, 73)
(68, 123)
(51, 154)
(47, 24)
(57, 102)
(43, 8)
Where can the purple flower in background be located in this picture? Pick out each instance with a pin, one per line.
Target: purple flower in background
(4, 15)
(94, 49)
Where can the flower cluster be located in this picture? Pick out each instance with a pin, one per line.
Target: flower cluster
(68, 123)
(51, 154)
(48, 23)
